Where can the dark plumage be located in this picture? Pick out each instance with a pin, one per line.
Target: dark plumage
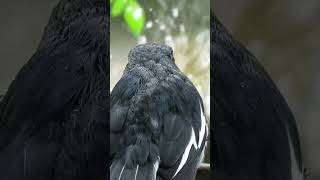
(254, 132)
(157, 120)
(54, 116)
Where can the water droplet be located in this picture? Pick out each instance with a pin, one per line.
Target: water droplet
(175, 12)
(137, 13)
(149, 24)
(129, 9)
(168, 38)
(182, 28)
(142, 40)
(154, 123)
(162, 27)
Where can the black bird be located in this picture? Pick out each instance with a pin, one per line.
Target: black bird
(54, 118)
(158, 123)
(1, 97)
(254, 132)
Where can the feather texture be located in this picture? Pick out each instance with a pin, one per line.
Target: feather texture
(157, 120)
(54, 116)
(253, 130)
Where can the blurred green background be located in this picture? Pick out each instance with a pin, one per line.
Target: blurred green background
(181, 24)
(285, 36)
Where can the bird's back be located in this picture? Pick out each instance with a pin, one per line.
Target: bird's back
(154, 109)
(254, 131)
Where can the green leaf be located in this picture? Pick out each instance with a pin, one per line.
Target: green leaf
(134, 17)
(117, 7)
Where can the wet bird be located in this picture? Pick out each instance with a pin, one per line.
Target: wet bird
(54, 117)
(254, 132)
(157, 122)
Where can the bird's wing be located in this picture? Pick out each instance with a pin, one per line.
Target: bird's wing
(43, 90)
(119, 106)
(252, 123)
(182, 145)
(179, 114)
(184, 128)
(122, 154)
(1, 98)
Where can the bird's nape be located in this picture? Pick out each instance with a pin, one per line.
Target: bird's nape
(151, 52)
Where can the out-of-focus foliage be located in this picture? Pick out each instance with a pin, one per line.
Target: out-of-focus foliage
(133, 14)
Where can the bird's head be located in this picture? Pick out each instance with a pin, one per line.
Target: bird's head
(151, 52)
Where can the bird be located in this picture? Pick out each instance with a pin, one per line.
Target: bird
(254, 132)
(54, 117)
(1, 97)
(157, 119)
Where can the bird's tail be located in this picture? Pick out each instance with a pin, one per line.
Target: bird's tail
(120, 171)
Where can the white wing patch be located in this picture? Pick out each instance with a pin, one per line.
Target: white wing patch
(135, 175)
(121, 171)
(156, 167)
(202, 129)
(193, 142)
(296, 174)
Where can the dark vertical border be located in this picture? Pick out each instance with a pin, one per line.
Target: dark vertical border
(106, 4)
